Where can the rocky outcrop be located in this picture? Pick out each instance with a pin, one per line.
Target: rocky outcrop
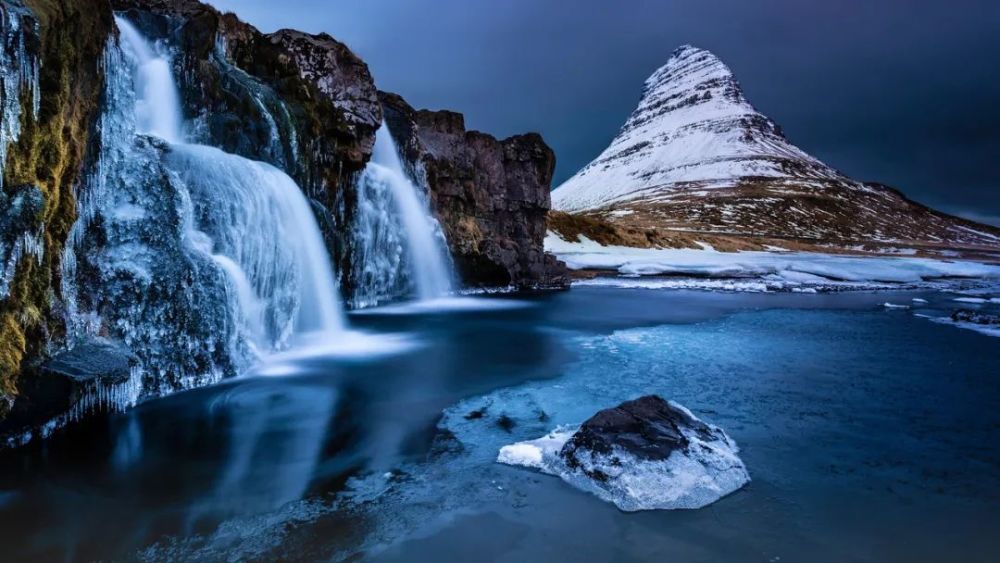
(491, 196)
(647, 428)
(696, 158)
(643, 454)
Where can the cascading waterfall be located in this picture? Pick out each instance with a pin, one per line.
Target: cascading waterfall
(157, 104)
(199, 261)
(398, 245)
(249, 216)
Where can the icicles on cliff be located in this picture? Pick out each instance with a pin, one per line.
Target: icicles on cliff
(19, 234)
(198, 260)
(114, 397)
(397, 245)
(18, 74)
(28, 244)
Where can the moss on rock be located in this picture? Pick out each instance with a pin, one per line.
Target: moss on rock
(49, 154)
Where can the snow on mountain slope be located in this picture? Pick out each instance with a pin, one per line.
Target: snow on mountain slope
(696, 156)
(693, 126)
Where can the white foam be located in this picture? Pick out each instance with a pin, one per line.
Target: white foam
(342, 345)
(446, 305)
(973, 300)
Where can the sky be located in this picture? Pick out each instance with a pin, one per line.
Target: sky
(904, 92)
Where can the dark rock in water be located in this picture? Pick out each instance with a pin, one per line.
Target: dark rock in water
(491, 196)
(976, 317)
(93, 375)
(641, 455)
(648, 428)
(97, 359)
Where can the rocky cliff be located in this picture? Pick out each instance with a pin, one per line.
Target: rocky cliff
(697, 160)
(491, 196)
(50, 97)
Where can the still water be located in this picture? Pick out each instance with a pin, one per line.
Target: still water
(870, 435)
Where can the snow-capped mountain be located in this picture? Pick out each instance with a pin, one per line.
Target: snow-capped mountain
(696, 156)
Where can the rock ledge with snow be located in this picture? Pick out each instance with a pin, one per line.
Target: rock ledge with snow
(644, 454)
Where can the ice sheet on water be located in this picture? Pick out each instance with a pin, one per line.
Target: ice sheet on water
(761, 271)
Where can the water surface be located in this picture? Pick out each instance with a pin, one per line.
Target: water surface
(870, 434)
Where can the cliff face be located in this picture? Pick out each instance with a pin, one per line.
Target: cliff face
(491, 196)
(52, 84)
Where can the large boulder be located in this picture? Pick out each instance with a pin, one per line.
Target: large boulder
(491, 196)
(643, 454)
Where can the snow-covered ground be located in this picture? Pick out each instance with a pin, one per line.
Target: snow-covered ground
(757, 270)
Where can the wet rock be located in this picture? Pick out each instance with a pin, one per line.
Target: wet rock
(95, 360)
(94, 375)
(491, 196)
(647, 428)
(641, 455)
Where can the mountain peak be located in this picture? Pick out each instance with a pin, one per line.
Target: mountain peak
(690, 66)
(693, 127)
(696, 157)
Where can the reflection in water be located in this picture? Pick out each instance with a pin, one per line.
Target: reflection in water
(275, 438)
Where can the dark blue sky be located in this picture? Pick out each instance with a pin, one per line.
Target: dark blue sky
(904, 92)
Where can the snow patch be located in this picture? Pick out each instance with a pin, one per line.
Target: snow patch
(778, 270)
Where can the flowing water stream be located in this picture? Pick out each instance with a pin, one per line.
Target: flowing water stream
(399, 250)
(250, 217)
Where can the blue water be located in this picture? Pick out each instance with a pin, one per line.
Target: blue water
(870, 435)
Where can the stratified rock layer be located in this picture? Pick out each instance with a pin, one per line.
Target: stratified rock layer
(696, 157)
(491, 196)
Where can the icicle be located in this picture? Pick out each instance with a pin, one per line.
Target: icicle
(19, 71)
(28, 244)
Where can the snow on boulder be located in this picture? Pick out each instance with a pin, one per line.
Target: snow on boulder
(644, 454)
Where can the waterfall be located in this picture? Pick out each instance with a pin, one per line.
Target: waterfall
(398, 244)
(157, 105)
(249, 216)
(199, 261)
